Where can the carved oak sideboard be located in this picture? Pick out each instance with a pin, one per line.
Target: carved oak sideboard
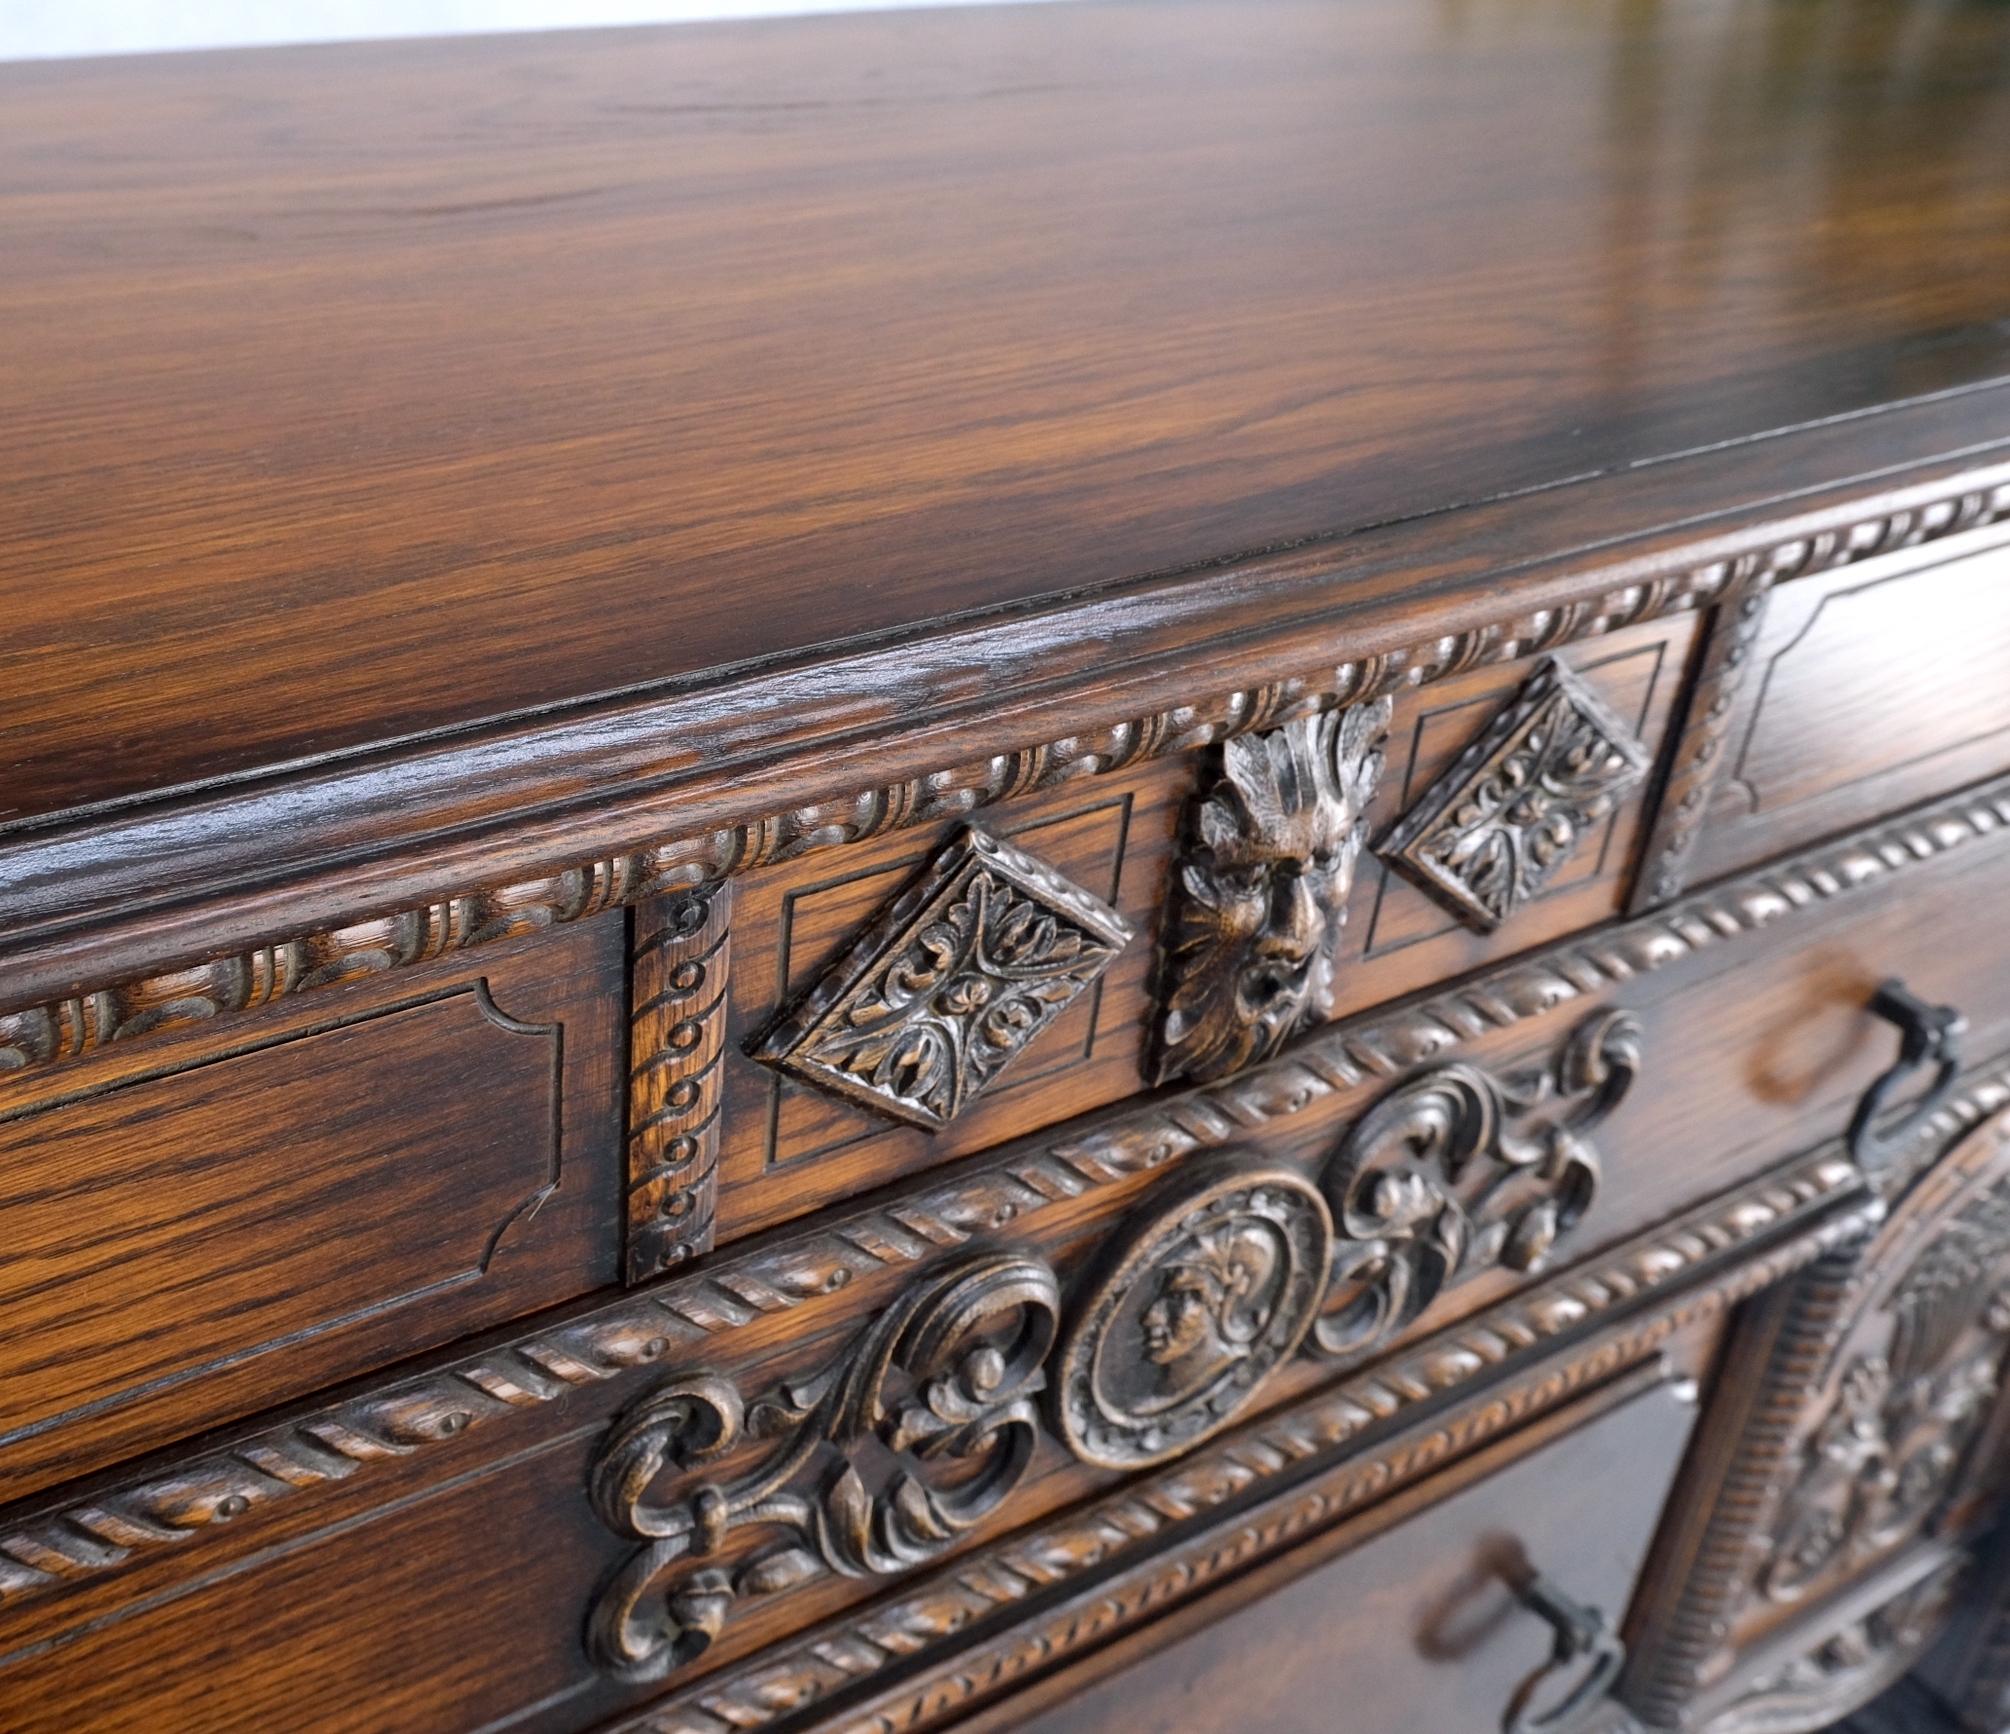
(1104, 867)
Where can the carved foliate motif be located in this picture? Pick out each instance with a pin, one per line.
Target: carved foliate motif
(1513, 806)
(1457, 1171)
(1849, 1665)
(1905, 1408)
(1261, 890)
(933, 1403)
(1202, 1301)
(947, 983)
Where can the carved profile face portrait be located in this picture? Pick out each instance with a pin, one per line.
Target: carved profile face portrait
(1211, 1306)
(1211, 1291)
(1261, 891)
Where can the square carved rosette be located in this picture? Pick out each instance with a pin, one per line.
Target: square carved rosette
(948, 983)
(1519, 801)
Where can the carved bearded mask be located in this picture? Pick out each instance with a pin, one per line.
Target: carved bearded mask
(1262, 888)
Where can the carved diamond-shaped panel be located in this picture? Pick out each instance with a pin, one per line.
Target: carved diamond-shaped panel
(1515, 804)
(947, 983)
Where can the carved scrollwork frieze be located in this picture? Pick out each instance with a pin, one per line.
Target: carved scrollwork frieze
(907, 1440)
(1457, 1171)
(948, 983)
(1260, 892)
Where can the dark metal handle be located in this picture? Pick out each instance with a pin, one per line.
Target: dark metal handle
(1928, 1035)
(1583, 1638)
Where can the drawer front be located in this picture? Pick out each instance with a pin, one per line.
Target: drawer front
(1415, 1624)
(190, 1243)
(457, 1584)
(1863, 692)
(1391, 919)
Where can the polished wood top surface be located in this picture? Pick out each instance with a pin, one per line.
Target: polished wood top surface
(352, 393)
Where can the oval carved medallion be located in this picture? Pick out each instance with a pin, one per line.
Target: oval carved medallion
(1211, 1292)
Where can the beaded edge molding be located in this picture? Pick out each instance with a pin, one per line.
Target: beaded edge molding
(37, 1036)
(49, 1550)
(851, 1652)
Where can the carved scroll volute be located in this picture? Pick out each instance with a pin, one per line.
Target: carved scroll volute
(934, 1401)
(1457, 1171)
(1260, 893)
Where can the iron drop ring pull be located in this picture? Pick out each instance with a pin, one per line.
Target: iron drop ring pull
(1929, 1035)
(1584, 1642)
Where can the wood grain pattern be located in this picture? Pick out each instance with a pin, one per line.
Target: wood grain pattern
(1910, 872)
(1863, 696)
(1082, 337)
(186, 1247)
(1136, 1555)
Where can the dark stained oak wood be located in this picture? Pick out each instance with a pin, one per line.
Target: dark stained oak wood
(1862, 694)
(188, 1245)
(485, 376)
(1416, 1626)
(1004, 864)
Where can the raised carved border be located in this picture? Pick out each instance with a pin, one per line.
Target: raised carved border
(1107, 1544)
(58, 1030)
(1706, 720)
(41, 1552)
(679, 955)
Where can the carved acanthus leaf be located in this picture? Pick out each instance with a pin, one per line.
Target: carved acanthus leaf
(1512, 808)
(947, 983)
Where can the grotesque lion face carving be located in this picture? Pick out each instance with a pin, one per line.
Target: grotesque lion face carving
(1262, 889)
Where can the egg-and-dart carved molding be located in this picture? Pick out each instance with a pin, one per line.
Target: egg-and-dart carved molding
(947, 983)
(40, 1553)
(63, 1029)
(1205, 1290)
(1081, 1578)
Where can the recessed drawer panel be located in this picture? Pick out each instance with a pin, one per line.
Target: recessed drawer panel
(187, 1244)
(1864, 691)
(1417, 1626)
